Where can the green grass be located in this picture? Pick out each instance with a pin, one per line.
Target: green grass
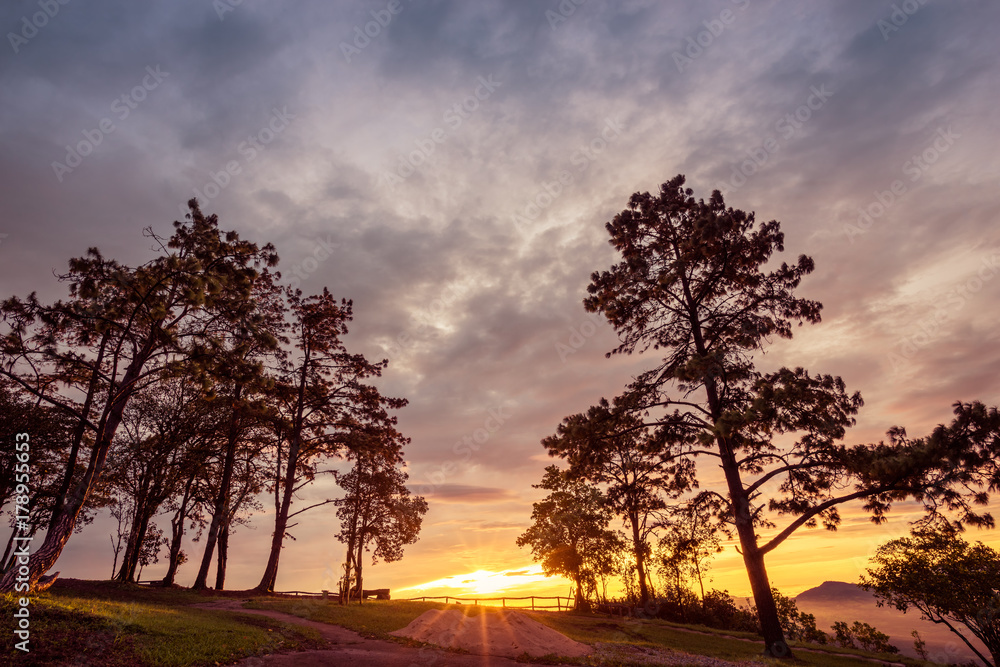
(377, 618)
(374, 619)
(118, 625)
(716, 644)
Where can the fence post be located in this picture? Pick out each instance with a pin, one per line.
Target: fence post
(503, 601)
(532, 603)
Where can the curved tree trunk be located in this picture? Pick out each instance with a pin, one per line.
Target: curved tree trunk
(61, 528)
(767, 611)
(220, 514)
(270, 576)
(81, 428)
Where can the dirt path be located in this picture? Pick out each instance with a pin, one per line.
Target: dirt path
(349, 648)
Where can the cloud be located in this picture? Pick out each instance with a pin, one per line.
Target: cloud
(469, 305)
(460, 493)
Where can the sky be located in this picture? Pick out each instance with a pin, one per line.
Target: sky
(450, 166)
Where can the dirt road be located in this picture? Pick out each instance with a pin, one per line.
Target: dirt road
(349, 649)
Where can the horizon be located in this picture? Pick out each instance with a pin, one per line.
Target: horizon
(452, 175)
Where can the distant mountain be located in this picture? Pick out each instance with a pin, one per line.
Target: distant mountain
(840, 601)
(835, 591)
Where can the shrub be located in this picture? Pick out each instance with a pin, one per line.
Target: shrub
(863, 636)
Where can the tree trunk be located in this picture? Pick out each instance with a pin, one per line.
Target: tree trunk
(358, 577)
(129, 572)
(345, 582)
(81, 428)
(177, 534)
(767, 612)
(4, 565)
(62, 526)
(701, 584)
(220, 514)
(770, 627)
(640, 557)
(270, 576)
(136, 533)
(220, 574)
(345, 586)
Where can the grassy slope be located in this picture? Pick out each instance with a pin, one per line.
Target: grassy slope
(378, 618)
(117, 625)
(123, 625)
(703, 641)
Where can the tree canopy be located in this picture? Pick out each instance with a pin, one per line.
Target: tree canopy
(698, 287)
(569, 533)
(377, 510)
(946, 579)
(185, 384)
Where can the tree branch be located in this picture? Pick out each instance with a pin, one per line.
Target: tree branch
(325, 502)
(795, 525)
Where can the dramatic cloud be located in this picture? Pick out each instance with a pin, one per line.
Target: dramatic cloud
(450, 166)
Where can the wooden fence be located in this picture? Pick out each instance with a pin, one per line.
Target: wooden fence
(307, 594)
(296, 594)
(532, 604)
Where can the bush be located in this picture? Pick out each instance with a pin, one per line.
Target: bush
(797, 625)
(718, 610)
(863, 636)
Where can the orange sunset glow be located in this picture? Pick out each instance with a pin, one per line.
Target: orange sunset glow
(310, 298)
